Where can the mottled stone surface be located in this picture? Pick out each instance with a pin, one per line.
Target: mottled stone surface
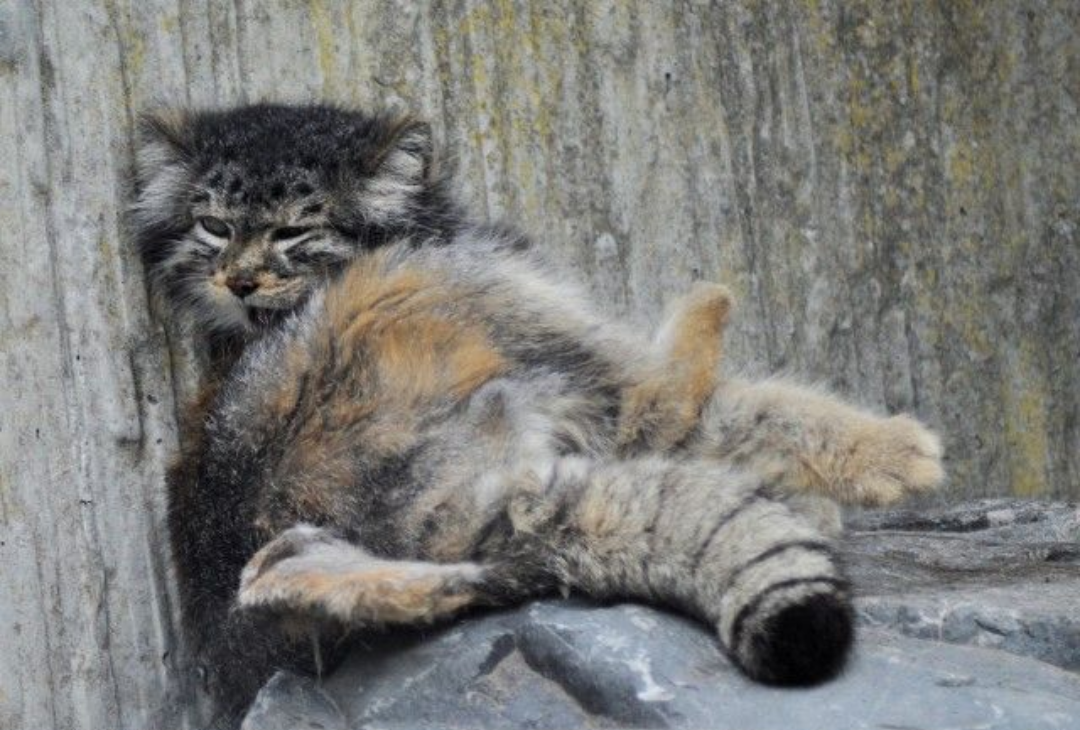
(1000, 576)
(565, 665)
(996, 573)
(891, 188)
(290, 702)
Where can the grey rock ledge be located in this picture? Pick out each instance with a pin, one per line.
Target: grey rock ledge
(968, 621)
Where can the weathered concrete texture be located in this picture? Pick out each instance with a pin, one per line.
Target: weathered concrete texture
(1002, 576)
(893, 188)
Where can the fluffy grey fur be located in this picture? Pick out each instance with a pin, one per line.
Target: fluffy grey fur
(436, 417)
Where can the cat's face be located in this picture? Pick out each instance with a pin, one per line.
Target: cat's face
(241, 214)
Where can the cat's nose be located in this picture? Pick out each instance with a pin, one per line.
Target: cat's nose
(241, 285)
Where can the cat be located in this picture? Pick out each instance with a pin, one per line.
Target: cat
(408, 413)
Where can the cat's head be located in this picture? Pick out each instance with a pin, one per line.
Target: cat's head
(240, 214)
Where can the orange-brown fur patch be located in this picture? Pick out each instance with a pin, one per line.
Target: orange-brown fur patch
(399, 320)
(662, 409)
(414, 351)
(696, 347)
(391, 348)
(283, 399)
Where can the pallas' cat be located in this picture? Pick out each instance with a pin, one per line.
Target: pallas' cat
(410, 412)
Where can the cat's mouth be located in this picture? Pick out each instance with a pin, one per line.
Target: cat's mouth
(269, 305)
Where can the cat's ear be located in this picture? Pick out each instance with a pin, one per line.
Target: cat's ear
(408, 151)
(402, 166)
(161, 172)
(164, 140)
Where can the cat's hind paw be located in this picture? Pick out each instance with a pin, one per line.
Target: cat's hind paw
(894, 458)
(307, 574)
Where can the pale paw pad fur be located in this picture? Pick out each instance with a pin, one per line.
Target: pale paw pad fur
(895, 458)
(309, 575)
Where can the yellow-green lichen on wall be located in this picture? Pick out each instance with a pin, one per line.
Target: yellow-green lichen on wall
(892, 189)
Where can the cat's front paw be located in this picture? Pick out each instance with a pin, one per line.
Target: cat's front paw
(308, 575)
(282, 579)
(295, 542)
(894, 458)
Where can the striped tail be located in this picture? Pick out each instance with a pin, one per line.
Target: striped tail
(700, 537)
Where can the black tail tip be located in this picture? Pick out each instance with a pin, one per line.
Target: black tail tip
(803, 644)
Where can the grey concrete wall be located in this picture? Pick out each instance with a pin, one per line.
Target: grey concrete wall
(890, 186)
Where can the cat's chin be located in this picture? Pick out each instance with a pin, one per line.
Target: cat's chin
(263, 318)
(248, 322)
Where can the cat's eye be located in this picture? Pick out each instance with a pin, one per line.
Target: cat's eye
(284, 234)
(215, 226)
(307, 257)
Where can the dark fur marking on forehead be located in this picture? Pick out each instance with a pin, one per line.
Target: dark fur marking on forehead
(265, 165)
(264, 138)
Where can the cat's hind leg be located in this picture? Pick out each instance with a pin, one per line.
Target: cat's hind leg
(818, 443)
(661, 410)
(308, 575)
(706, 539)
(697, 536)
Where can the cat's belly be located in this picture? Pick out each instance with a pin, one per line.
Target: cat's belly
(385, 412)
